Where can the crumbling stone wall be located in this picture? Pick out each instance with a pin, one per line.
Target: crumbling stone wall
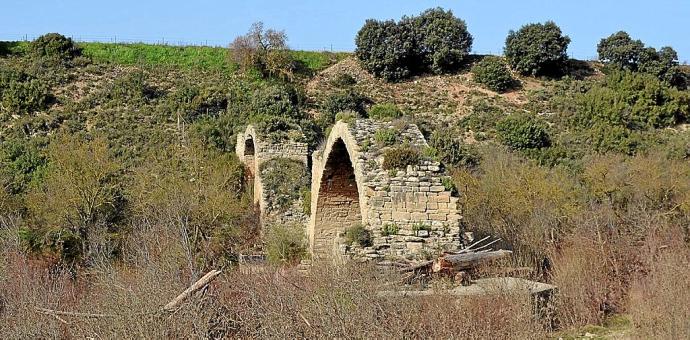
(410, 212)
(254, 150)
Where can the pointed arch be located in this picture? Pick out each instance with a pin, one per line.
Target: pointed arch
(337, 197)
(247, 150)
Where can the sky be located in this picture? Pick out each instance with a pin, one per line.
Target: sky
(332, 25)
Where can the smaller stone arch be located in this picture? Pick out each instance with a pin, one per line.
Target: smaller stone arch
(248, 151)
(253, 150)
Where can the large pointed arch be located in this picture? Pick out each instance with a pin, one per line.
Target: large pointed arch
(338, 199)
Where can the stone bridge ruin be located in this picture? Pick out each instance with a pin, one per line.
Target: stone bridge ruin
(411, 212)
(254, 152)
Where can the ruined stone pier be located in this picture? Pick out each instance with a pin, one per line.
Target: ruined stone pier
(409, 213)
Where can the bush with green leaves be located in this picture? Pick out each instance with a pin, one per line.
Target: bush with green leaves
(389, 229)
(623, 53)
(275, 100)
(21, 93)
(54, 46)
(343, 80)
(286, 244)
(132, 87)
(275, 128)
(451, 151)
(620, 50)
(443, 41)
(80, 203)
(493, 72)
(24, 97)
(358, 234)
(537, 49)
(386, 49)
(215, 132)
(400, 157)
(435, 41)
(386, 137)
(264, 50)
(283, 180)
(195, 101)
(523, 131)
(344, 101)
(633, 101)
(21, 164)
(385, 111)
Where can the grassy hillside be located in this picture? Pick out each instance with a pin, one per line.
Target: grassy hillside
(186, 57)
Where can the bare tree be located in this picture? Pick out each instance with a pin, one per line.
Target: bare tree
(265, 50)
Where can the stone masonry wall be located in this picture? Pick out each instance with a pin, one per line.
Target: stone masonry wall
(409, 212)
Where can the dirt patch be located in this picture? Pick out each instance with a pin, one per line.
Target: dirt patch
(444, 98)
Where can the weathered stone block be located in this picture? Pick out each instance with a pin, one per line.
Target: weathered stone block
(419, 216)
(400, 215)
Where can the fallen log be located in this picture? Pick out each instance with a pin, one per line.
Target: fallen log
(201, 283)
(63, 313)
(419, 266)
(459, 262)
(169, 307)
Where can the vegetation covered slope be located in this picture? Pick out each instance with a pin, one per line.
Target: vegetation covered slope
(118, 171)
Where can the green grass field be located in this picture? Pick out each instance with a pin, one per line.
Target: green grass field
(196, 57)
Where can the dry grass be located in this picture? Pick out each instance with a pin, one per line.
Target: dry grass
(660, 301)
(269, 303)
(265, 302)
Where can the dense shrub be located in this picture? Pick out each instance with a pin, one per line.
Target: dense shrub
(523, 131)
(385, 111)
(195, 101)
(21, 163)
(632, 101)
(286, 244)
(386, 49)
(386, 137)
(400, 157)
(451, 151)
(24, 97)
(537, 49)
(343, 80)
(623, 53)
(20, 92)
(434, 41)
(621, 50)
(345, 101)
(275, 100)
(76, 208)
(283, 179)
(443, 42)
(54, 46)
(132, 87)
(276, 129)
(359, 235)
(216, 132)
(493, 73)
(483, 118)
